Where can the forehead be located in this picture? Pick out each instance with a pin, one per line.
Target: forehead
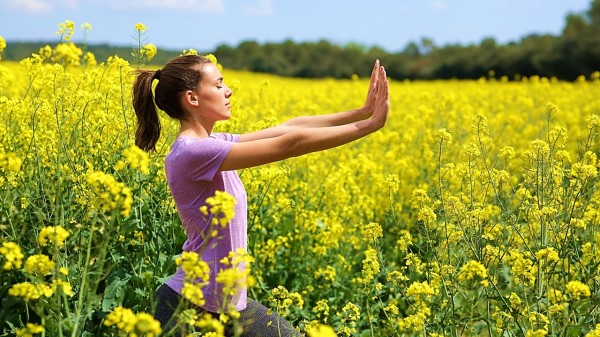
(211, 72)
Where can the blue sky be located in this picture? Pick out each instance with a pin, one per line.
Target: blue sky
(204, 24)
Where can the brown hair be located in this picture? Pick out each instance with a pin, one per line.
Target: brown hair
(178, 75)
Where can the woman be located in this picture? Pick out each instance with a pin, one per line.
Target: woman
(191, 89)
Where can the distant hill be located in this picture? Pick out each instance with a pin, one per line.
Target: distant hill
(574, 53)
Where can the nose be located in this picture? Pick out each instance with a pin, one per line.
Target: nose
(228, 92)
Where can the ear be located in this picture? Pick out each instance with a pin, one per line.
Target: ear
(190, 98)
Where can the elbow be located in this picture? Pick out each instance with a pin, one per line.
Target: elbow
(294, 123)
(294, 144)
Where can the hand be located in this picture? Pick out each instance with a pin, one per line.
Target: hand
(381, 98)
(370, 102)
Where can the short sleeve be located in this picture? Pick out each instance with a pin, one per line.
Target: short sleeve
(199, 158)
(229, 137)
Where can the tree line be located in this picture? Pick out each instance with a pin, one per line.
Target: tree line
(575, 52)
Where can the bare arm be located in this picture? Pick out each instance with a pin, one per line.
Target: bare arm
(300, 141)
(334, 119)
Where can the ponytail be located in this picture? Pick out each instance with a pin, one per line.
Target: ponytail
(148, 123)
(178, 75)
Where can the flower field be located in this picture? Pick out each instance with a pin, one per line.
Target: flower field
(475, 211)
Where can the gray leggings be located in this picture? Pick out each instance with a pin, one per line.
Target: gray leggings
(254, 320)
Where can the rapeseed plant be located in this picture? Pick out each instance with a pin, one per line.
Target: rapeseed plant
(474, 213)
(2, 46)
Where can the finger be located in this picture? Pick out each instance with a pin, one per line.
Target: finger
(386, 88)
(382, 76)
(375, 68)
(375, 72)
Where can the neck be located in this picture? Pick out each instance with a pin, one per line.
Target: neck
(195, 129)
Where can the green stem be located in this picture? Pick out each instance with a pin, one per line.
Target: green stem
(82, 289)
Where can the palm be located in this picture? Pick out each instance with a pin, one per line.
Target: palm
(371, 94)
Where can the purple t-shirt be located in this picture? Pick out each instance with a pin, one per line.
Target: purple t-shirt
(192, 169)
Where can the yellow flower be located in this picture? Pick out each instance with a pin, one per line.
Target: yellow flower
(412, 323)
(86, 27)
(397, 279)
(13, 257)
(576, 290)
(29, 291)
(555, 296)
(420, 290)
(372, 231)
(321, 309)
(350, 312)
(66, 29)
(593, 121)
(30, 330)
(584, 171)
(38, 264)
(539, 147)
(283, 299)
(10, 162)
(404, 240)
(212, 58)
(595, 332)
(109, 194)
(189, 52)
(68, 54)
(515, 301)
(473, 270)
(188, 316)
(413, 261)
(146, 325)
(64, 286)
(371, 266)
(140, 27)
(222, 208)
(56, 235)
(327, 274)
(536, 333)
(392, 182)
(237, 275)
(193, 293)
(442, 136)
(137, 159)
(89, 59)
(194, 267)
(2, 45)
(507, 153)
(547, 255)
(133, 325)
(123, 318)
(321, 330)
(392, 309)
(45, 52)
(210, 326)
(149, 51)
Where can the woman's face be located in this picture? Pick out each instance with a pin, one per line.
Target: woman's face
(214, 94)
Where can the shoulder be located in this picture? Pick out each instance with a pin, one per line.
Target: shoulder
(229, 137)
(199, 157)
(197, 146)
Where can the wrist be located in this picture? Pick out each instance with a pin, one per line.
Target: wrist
(371, 124)
(362, 113)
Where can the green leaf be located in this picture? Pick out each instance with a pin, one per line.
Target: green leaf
(115, 291)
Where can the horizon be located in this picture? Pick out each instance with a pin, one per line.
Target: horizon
(205, 24)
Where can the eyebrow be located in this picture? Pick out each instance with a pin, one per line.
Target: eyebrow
(220, 79)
